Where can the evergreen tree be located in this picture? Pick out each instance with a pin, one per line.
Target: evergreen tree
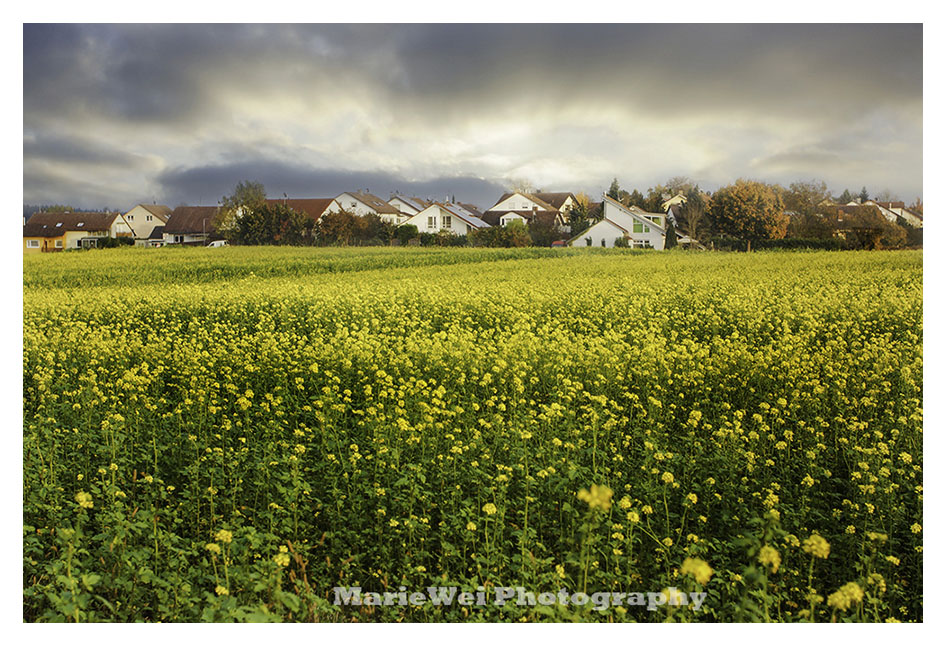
(863, 196)
(614, 189)
(670, 236)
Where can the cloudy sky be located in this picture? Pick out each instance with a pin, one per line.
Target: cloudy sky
(178, 114)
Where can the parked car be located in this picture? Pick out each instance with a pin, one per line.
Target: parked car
(217, 243)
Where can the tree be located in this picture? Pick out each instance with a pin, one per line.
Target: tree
(543, 232)
(246, 197)
(578, 218)
(336, 228)
(749, 210)
(405, 233)
(522, 185)
(516, 234)
(846, 197)
(670, 236)
(863, 196)
(613, 189)
(635, 199)
(679, 184)
(806, 197)
(655, 199)
(692, 215)
(886, 196)
(917, 206)
(805, 200)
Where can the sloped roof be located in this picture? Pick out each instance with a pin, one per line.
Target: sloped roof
(555, 199)
(157, 233)
(191, 220)
(54, 224)
(373, 201)
(312, 207)
(418, 203)
(627, 216)
(535, 197)
(463, 214)
(159, 210)
(473, 209)
(493, 217)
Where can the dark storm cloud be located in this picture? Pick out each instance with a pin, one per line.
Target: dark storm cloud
(428, 102)
(70, 149)
(207, 184)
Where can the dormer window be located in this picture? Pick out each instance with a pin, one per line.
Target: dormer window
(79, 225)
(59, 224)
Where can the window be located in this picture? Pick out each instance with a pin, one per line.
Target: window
(353, 205)
(59, 224)
(637, 228)
(79, 225)
(148, 218)
(445, 222)
(525, 207)
(131, 217)
(58, 244)
(32, 243)
(432, 222)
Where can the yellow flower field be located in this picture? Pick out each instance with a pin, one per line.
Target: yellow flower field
(228, 434)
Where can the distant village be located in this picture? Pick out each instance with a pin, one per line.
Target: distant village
(517, 218)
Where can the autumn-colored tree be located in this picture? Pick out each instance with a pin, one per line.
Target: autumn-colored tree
(336, 228)
(749, 210)
(805, 200)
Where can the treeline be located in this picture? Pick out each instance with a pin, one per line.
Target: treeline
(742, 216)
(278, 224)
(756, 215)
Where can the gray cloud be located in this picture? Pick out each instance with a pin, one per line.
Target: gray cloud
(567, 106)
(210, 183)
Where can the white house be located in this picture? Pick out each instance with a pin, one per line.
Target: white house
(639, 228)
(893, 210)
(446, 217)
(409, 206)
(527, 207)
(361, 203)
(676, 200)
(190, 225)
(143, 218)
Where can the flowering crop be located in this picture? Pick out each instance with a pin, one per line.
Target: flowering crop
(228, 434)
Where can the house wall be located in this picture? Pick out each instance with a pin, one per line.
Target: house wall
(170, 239)
(403, 207)
(120, 228)
(654, 236)
(517, 202)
(457, 225)
(510, 217)
(73, 238)
(352, 205)
(597, 232)
(44, 244)
(142, 222)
